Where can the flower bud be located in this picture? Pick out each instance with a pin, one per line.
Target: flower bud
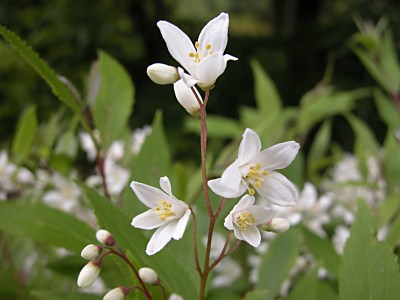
(118, 293)
(162, 74)
(91, 252)
(277, 225)
(104, 237)
(89, 274)
(186, 98)
(148, 275)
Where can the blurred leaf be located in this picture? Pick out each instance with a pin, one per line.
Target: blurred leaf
(387, 210)
(306, 288)
(278, 261)
(154, 160)
(46, 225)
(47, 135)
(389, 58)
(26, 132)
(255, 295)
(67, 144)
(171, 269)
(319, 146)
(323, 102)
(218, 127)
(41, 67)
(391, 163)
(368, 269)
(323, 251)
(267, 97)
(386, 109)
(393, 235)
(114, 102)
(55, 295)
(326, 292)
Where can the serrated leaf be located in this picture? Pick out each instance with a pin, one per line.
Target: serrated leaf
(267, 97)
(45, 224)
(278, 261)
(26, 131)
(323, 251)
(171, 270)
(368, 269)
(41, 67)
(114, 102)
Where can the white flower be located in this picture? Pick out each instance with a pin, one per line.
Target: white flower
(175, 297)
(118, 293)
(90, 252)
(342, 233)
(105, 237)
(205, 61)
(244, 219)
(116, 177)
(162, 74)
(148, 275)
(166, 212)
(257, 168)
(277, 225)
(138, 137)
(88, 274)
(186, 98)
(88, 145)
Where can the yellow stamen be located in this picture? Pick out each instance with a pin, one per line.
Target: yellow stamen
(251, 191)
(164, 210)
(255, 175)
(245, 219)
(197, 45)
(208, 47)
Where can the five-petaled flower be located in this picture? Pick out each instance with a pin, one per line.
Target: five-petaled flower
(205, 61)
(256, 168)
(166, 212)
(244, 219)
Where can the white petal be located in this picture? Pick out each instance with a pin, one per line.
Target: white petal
(186, 78)
(147, 220)
(222, 190)
(249, 146)
(215, 33)
(165, 185)
(210, 68)
(178, 43)
(232, 176)
(228, 223)
(244, 203)
(252, 236)
(238, 233)
(261, 214)
(278, 156)
(229, 57)
(160, 238)
(181, 226)
(147, 194)
(278, 190)
(186, 98)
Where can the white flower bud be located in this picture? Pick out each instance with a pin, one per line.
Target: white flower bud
(148, 275)
(162, 74)
(90, 252)
(118, 293)
(175, 297)
(186, 98)
(105, 237)
(277, 225)
(88, 274)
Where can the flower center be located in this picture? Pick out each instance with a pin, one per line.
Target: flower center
(198, 55)
(245, 219)
(255, 176)
(164, 210)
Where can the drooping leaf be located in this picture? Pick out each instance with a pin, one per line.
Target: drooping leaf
(44, 224)
(26, 131)
(278, 261)
(114, 102)
(32, 58)
(368, 269)
(171, 269)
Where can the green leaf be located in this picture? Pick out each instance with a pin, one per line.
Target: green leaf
(278, 262)
(255, 295)
(387, 210)
(393, 235)
(326, 292)
(368, 269)
(154, 159)
(218, 126)
(267, 97)
(32, 58)
(391, 163)
(56, 295)
(45, 224)
(26, 131)
(114, 102)
(171, 269)
(323, 251)
(386, 109)
(306, 288)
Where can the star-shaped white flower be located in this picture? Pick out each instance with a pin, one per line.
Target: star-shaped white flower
(205, 60)
(166, 213)
(256, 168)
(244, 219)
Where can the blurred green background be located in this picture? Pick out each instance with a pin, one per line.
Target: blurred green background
(292, 39)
